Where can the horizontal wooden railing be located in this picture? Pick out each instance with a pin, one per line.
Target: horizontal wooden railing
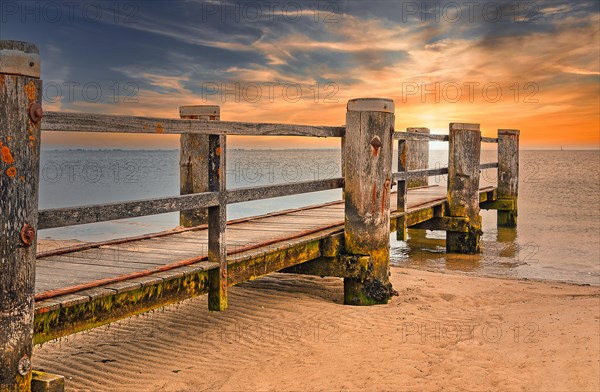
(61, 217)
(434, 137)
(89, 122)
(241, 195)
(435, 172)
(71, 216)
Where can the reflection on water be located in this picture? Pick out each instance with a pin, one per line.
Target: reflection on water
(558, 233)
(501, 253)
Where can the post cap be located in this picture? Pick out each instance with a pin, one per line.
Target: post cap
(508, 132)
(418, 130)
(200, 112)
(465, 127)
(19, 58)
(384, 105)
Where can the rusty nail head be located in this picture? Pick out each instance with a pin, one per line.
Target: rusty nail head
(24, 366)
(376, 143)
(36, 112)
(27, 234)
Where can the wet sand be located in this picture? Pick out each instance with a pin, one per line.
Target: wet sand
(291, 333)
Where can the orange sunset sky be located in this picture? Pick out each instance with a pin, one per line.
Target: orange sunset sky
(533, 66)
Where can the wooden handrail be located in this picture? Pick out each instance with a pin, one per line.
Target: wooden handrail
(434, 172)
(419, 136)
(241, 195)
(89, 122)
(71, 216)
(439, 138)
(61, 217)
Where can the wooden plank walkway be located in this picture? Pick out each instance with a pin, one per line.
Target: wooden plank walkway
(115, 260)
(104, 282)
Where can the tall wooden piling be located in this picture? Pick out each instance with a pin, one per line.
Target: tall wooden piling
(217, 224)
(463, 186)
(417, 157)
(508, 174)
(20, 115)
(401, 192)
(193, 161)
(367, 168)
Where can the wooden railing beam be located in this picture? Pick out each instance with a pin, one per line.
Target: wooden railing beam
(62, 217)
(91, 122)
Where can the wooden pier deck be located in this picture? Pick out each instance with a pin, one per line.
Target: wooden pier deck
(169, 266)
(79, 267)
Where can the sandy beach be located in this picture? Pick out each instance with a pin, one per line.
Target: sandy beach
(292, 333)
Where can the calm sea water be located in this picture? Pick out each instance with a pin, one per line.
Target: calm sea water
(558, 237)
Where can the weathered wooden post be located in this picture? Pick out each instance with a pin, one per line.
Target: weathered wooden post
(217, 224)
(463, 186)
(367, 168)
(401, 192)
(508, 175)
(417, 157)
(20, 115)
(193, 161)
(412, 155)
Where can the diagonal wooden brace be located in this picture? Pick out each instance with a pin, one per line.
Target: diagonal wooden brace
(341, 266)
(445, 223)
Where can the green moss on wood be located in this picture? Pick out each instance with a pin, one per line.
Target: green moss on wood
(103, 310)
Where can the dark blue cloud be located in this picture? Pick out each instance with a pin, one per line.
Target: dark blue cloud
(110, 42)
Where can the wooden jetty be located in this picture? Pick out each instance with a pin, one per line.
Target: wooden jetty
(51, 293)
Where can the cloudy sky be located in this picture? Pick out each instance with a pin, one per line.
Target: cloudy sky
(529, 65)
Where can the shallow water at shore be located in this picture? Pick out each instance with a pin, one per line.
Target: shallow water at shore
(558, 237)
(558, 233)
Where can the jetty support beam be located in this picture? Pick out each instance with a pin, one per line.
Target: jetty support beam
(401, 191)
(20, 116)
(217, 224)
(417, 157)
(508, 175)
(368, 177)
(463, 186)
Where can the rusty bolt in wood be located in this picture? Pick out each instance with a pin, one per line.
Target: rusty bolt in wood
(36, 112)
(376, 143)
(27, 234)
(24, 366)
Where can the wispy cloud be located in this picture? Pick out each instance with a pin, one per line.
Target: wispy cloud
(172, 51)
